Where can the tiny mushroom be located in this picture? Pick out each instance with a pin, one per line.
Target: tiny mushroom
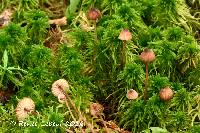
(166, 94)
(93, 14)
(132, 94)
(125, 35)
(24, 108)
(147, 55)
(96, 109)
(5, 17)
(59, 87)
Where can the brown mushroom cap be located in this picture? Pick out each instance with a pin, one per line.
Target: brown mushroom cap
(59, 87)
(166, 94)
(96, 109)
(125, 35)
(24, 108)
(132, 94)
(147, 55)
(94, 14)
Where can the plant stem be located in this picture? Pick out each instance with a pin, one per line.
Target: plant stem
(146, 83)
(104, 124)
(2, 76)
(95, 43)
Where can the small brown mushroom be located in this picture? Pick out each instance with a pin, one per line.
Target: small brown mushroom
(96, 109)
(147, 55)
(24, 108)
(132, 94)
(93, 14)
(125, 35)
(166, 94)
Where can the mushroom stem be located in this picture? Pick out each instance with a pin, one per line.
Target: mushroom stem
(146, 83)
(95, 42)
(123, 60)
(95, 30)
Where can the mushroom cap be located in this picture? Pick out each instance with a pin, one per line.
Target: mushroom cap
(93, 14)
(61, 98)
(166, 94)
(147, 55)
(6, 14)
(24, 107)
(132, 94)
(96, 109)
(125, 35)
(59, 87)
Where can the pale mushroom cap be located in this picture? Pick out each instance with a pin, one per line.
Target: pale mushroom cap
(166, 94)
(59, 87)
(61, 98)
(132, 94)
(147, 55)
(6, 14)
(125, 35)
(24, 107)
(96, 109)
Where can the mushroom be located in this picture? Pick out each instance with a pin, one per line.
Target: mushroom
(59, 87)
(96, 109)
(125, 35)
(132, 94)
(24, 108)
(5, 17)
(94, 14)
(147, 56)
(166, 94)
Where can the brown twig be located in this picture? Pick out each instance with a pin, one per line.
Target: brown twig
(104, 124)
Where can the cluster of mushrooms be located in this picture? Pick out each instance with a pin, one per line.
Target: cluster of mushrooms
(147, 56)
(26, 106)
(165, 94)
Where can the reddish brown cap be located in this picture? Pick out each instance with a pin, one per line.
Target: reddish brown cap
(147, 55)
(94, 14)
(166, 94)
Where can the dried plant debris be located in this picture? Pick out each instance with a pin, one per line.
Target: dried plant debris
(60, 21)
